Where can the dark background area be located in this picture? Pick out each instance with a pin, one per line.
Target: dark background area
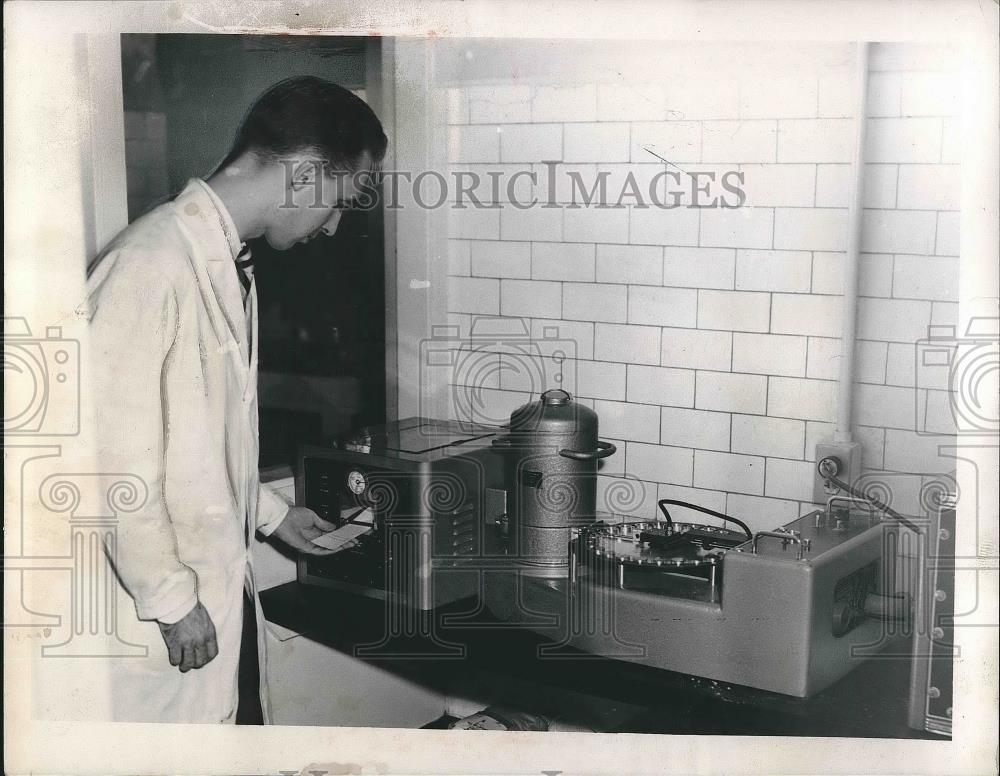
(321, 304)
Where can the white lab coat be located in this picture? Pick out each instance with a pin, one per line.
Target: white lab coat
(175, 392)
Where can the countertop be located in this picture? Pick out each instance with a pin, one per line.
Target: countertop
(592, 692)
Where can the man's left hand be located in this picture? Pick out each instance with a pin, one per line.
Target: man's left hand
(300, 526)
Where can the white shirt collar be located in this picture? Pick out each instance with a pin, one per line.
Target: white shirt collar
(227, 223)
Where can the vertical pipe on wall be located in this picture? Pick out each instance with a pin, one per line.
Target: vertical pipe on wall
(849, 311)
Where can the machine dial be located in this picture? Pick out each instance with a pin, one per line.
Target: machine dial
(356, 482)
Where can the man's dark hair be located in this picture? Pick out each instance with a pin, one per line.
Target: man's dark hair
(306, 112)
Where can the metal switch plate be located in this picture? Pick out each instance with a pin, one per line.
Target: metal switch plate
(850, 470)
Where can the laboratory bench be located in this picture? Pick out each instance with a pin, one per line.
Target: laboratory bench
(489, 662)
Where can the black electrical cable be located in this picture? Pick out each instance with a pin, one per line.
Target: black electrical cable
(662, 504)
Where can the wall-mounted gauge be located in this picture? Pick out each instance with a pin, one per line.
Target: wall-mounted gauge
(356, 482)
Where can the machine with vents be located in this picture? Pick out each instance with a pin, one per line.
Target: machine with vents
(437, 512)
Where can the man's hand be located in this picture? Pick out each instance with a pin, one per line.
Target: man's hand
(191, 640)
(300, 526)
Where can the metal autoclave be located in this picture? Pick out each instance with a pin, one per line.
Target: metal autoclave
(436, 512)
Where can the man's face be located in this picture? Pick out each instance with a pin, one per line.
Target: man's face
(315, 199)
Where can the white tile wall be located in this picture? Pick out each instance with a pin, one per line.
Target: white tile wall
(746, 227)
(694, 428)
(874, 274)
(629, 344)
(815, 140)
(898, 231)
(474, 295)
(944, 314)
(901, 368)
(595, 302)
(627, 496)
(573, 338)
(631, 422)
(660, 463)
(893, 320)
(811, 314)
(657, 306)
(727, 471)
(657, 226)
(947, 243)
(761, 514)
(791, 397)
(497, 259)
(925, 277)
(733, 310)
(783, 96)
(824, 360)
(885, 405)
(740, 141)
(929, 186)
(903, 140)
(834, 182)
(836, 94)
(459, 257)
(951, 141)
(773, 270)
(697, 349)
(499, 103)
(931, 94)
(598, 142)
(769, 354)
(907, 451)
(660, 385)
(713, 95)
(562, 261)
(707, 338)
(884, 94)
(699, 267)
(790, 185)
(594, 225)
(565, 103)
(474, 223)
(528, 143)
(761, 435)
(675, 141)
(473, 144)
(529, 298)
(789, 479)
(601, 380)
(634, 264)
(632, 101)
(810, 229)
(538, 223)
(729, 392)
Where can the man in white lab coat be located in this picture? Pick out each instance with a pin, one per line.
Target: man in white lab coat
(173, 350)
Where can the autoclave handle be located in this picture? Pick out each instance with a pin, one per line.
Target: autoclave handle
(604, 449)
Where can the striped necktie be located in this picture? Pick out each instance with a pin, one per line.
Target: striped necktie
(244, 270)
